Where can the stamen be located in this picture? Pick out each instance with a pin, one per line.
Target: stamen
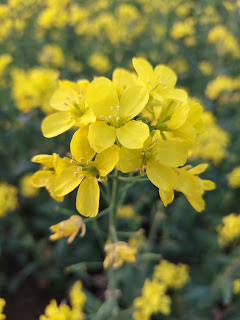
(118, 107)
(88, 161)
(76, 173)
(110, 117)
(118, 118)
(81, 159)
(111, 108)
(81, 176)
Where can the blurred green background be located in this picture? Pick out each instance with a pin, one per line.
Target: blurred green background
(42, 41)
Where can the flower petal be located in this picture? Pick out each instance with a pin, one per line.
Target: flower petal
(195, 113)
(165, 75)
(100, 96)
(143, 68)
(106, 160)
(87, 201)
(179, 116)
(129, 159)
(132, 101)
(196, 202)
(133, 134)
(166, 196)
(160, 175)
(57, 123)
(173, 94)
(67, 181)
(61, 96)
(208, 185)
(45, 159)
(101, 136)
(40, 178)
(171, 153)
(80, 147)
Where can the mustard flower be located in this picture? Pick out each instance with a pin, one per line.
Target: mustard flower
(84, 170)
(2, 305)
(234, 178)
(190, 185)
(26, 187)
(68, 228)
(69, 100)
(236, 286)
(45, 177)
(117, 253)
(114, 115)
(159, 81)
(158, 157)
(8, 198)
(230, 230)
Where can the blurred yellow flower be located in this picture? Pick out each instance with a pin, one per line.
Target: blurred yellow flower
(51, 56)
(172, 275)
(117, 253)
(234, 178)
(2, 305)
(236, 286)
(26, 187)
(99, 62)
(8, 198)
(230, 230)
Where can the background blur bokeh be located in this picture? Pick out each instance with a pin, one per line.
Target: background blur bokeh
(42, 41)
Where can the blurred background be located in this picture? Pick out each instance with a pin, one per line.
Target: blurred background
(42, 41)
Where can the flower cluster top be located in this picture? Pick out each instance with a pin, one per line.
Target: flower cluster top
(136, 121)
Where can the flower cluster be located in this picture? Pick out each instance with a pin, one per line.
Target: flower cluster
(154, 298)
(8, 198)
(213, 142)
(117, 253)
(230, 230)
(138, 121)
(2, 304)
(234, 178)
(27, 189)
(63, 311)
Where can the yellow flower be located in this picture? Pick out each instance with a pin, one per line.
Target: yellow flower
(230, 230)
(158, 157)
(236, 286)
(114, 115)
(52, 166)
(117, 253)
(153, 300)
(99, 62)
(84, 171)
(234, 178)
(55, 312)
(190, 185)
(69, 100)
(51, 55)
(68, 228)
(127, 212)
(172, 275)
(8, 198)
(26, 187)
(160, 82)
(2, 305)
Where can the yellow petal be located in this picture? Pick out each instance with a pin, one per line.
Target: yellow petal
(51, 189)
(171, 153)
(179, 117)
(87, 201)
(198, 169)
(45, 159)
(208, 185)
(188, 184)
(106, 160)
(143, 68)
(132, 101)
(57, 123)
(173, 94)
(67, 181)
(129, 159)
(186, 132)
(122, 78)
(80, 147)
(196, 202)
(166, 196)
(100, 96)
(40, 178)
(62, 96)
(133, 134)
(86, 118)
(195, 113)
(160, 175)
(101, 136)
(165, 75)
